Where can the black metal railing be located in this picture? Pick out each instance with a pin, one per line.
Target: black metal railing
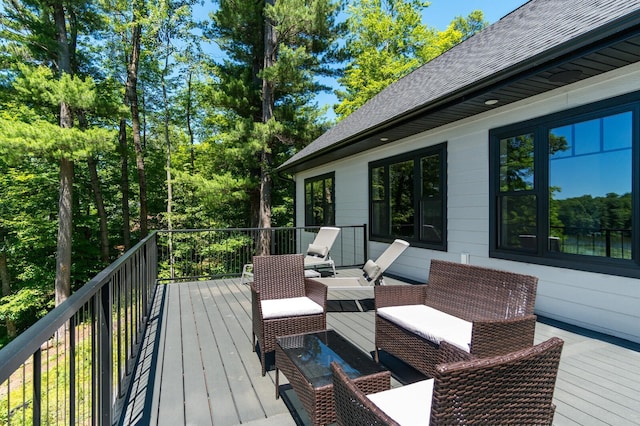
(604, 242)
(73, 365)
(195, 254)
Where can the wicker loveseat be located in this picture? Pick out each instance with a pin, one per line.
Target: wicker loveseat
(482, 311)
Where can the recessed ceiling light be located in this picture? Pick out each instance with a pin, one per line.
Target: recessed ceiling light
(384, 139)
(491, 102)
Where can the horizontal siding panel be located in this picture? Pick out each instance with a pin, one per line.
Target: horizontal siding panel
(473, 237)
(471, 212)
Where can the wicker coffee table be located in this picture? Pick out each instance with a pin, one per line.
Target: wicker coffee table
(305, 360)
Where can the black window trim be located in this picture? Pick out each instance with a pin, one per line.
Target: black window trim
(317, 178)
(441, 149)
(540, 126)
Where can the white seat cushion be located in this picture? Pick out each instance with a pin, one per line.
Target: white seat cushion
(312, 273)
(292, 307)
(430, 324)
(408, 405)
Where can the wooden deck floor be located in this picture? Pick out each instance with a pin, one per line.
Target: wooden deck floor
(197, 366)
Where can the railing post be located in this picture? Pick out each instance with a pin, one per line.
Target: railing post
(364, 243)
(273, 241)
(37, 387)
(72, 371)
(105, 356)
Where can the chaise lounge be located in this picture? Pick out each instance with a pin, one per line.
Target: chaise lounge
(318, 255)
(372, 271)
(481, 311)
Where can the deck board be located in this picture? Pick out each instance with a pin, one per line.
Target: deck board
(213, 364)
(171, 398)
(196, 394)
(197, 365)
(237, 362)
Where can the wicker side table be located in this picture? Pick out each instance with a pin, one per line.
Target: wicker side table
(305, 360)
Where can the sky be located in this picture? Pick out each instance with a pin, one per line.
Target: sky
(438, 15)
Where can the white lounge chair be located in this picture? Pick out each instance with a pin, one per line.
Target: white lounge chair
(317, 255)
(371, 271)
(318, 252)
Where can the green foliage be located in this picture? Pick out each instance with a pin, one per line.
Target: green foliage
(25, 305)
(40, 135)
(39, 85)
(386, 41)
(43, 139)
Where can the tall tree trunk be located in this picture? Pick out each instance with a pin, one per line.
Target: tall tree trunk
(65, 201)
(124, 185)
(132, 97)
(6, 290)
(264, 214)
(189, 129)
(255, 172)
(165, 101)
(65, 225)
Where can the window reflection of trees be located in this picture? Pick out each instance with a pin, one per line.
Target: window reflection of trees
(431, 199)
(517, 163)
(408, 196)
(402, 198)
(598, 151)
(319, 201)
(518, 203)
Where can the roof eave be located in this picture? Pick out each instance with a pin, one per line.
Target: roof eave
(616, 30)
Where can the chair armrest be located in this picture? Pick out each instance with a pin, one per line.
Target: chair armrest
(256, 306)
(398, 295)
(316, 291)
(373, 383)
(498, 337)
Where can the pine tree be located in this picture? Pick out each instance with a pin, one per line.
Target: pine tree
(263, 90)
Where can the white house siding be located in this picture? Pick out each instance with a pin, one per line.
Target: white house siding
(609, 304)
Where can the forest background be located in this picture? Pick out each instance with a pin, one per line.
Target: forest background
(115, 119)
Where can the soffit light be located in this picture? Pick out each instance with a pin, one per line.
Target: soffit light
(491, 102)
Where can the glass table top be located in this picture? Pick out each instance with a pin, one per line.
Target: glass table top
(313, 353)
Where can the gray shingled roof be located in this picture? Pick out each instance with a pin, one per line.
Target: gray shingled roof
(534, 32)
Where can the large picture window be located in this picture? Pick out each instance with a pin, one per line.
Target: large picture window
(564, 188)
(319, 200)
(408, 198)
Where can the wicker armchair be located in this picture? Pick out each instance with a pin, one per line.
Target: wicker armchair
(496, 307)
(284, 301)
(516, 388)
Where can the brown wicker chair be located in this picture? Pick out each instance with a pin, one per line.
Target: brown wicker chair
(515, 388)
(276, 279)
(499, 304)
